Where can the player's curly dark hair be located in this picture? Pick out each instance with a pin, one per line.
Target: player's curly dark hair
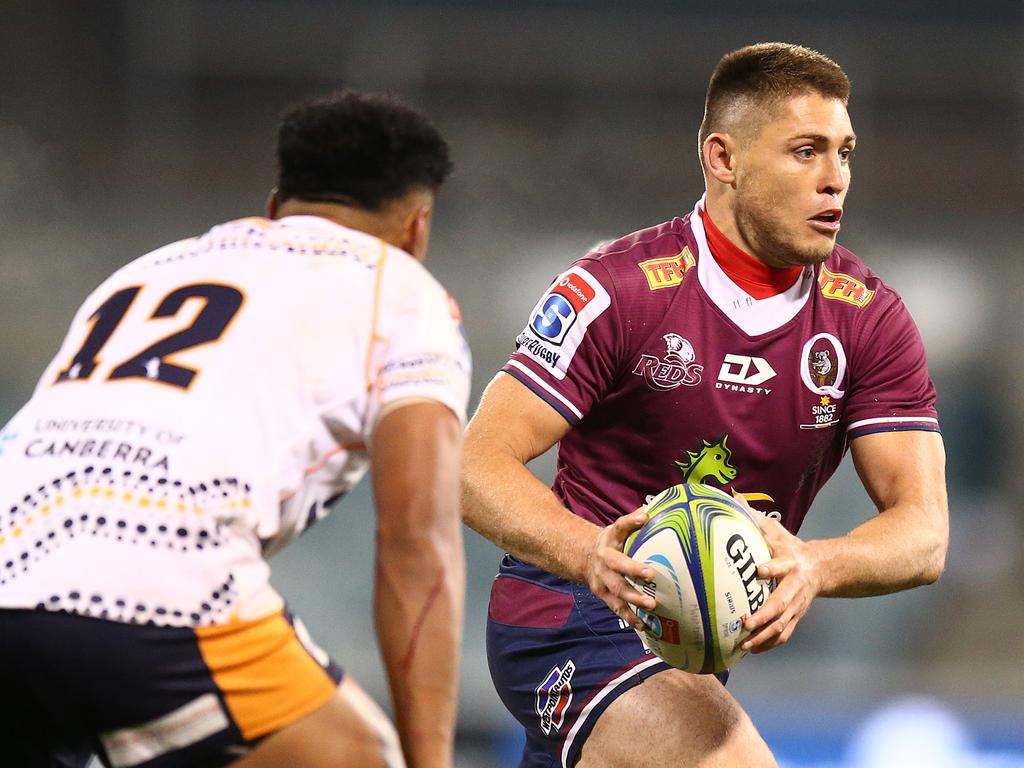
(767, 72)
(362, 149)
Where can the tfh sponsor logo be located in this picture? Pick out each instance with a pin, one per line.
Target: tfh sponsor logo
(836, 285)
(561, 307)
(554, 696)
(678, 366)
(667, 271)
(741, 373)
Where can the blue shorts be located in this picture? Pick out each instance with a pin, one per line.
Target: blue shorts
(142, 695)
(558, 657)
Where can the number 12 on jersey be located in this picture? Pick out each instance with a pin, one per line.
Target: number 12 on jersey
(221, 304)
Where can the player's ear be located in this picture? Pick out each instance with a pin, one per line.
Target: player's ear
(719, 153)
(273, 203)
(416, 231)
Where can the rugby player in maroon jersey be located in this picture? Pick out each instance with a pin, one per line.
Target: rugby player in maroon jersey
(738, 346)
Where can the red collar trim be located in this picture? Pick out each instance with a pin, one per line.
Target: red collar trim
(757, 279)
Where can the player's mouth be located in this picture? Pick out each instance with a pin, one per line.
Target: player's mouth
(827, 221)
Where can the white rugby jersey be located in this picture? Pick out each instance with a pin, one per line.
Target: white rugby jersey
(209, 400)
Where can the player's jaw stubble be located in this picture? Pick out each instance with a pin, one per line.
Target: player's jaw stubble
(779, 237)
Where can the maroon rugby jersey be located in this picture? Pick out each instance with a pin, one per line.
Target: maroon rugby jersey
(669, 372)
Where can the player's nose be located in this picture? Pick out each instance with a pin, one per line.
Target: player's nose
(834, 176)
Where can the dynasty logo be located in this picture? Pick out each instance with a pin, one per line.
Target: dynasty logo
(742, 373)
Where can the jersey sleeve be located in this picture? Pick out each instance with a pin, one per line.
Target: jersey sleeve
(420, 351)
(892, 390)
(566, 354)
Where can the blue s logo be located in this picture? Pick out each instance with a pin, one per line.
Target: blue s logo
(557, 316)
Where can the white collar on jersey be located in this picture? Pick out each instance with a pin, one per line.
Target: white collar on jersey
(752, 316)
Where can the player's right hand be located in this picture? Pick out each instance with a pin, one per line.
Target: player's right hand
(608, 566)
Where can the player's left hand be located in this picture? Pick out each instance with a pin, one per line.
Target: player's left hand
(792, 566)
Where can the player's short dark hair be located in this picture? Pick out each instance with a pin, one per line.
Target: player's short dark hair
(362, 149)
(768, 73)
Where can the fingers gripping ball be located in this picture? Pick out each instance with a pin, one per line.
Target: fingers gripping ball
(704, 549)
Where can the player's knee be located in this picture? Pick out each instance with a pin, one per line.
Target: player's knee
(349, 731)
(361, 733)
(740, 744)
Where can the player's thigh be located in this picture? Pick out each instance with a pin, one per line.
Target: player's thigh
(348, 730)
(697, 724)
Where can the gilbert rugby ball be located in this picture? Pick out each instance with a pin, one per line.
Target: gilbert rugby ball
(704, 549)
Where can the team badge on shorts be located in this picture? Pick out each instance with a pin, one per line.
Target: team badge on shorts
(554, 696)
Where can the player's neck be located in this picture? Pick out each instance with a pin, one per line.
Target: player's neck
(345, 215)
(403, 223)
(749, 273)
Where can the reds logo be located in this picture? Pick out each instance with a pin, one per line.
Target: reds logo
(678, 367)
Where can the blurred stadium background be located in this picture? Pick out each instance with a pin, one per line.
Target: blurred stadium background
(125, 125)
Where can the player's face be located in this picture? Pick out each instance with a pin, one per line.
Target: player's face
(792, 179)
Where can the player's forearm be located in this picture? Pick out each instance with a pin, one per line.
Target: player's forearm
(504, 502)
(900, 548)
(420, 589)
(420, 579)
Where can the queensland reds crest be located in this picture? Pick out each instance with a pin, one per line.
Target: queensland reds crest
(678, 367)
(823, 365)
(822, 370)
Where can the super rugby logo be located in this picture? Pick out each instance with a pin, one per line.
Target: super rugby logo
(561, 307)
(559, 321)
(554, 696)
(678, 367)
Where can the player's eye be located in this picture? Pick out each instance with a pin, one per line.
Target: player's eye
(846, 155)
(806, 153)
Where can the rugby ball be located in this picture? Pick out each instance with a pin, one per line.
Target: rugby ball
(704, 549)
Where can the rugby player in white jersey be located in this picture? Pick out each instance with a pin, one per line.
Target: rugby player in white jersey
(210, 400)
(736, 345)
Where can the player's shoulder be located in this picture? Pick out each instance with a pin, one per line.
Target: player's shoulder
(649, 258)
(849, 285)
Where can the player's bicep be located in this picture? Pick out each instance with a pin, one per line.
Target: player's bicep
(511, 419)
(903, 467)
